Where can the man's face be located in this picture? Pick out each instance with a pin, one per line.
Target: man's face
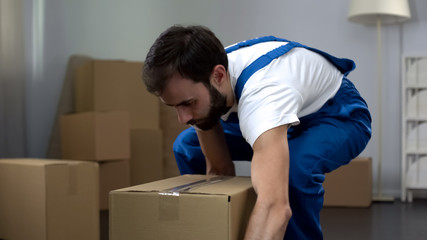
(216, 110)
(195, 103)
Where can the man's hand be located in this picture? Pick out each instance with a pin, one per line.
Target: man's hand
(226, 169)
(215, 149)
(270, 178)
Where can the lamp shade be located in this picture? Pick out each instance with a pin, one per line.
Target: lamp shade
(368, 11)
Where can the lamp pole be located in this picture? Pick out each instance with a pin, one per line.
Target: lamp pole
(379, 12)
(380, 196)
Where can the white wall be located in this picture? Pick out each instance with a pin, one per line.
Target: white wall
(125, 30)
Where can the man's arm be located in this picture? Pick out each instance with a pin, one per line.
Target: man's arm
(270, 178)
(215, 149)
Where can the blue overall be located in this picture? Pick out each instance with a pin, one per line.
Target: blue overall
(322, 142)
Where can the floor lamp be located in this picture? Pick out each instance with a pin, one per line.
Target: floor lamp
(379, 12)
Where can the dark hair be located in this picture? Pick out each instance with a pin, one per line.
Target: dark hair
(191, 51)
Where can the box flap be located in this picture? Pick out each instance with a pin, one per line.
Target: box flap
(194, 184)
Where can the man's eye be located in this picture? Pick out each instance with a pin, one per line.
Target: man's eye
(188, 103)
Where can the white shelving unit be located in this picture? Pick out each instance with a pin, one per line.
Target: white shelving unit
(414, 125)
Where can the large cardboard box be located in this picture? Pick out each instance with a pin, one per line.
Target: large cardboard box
(171, 128)
(106, 85)
(112, 175)
(190, 207)
(350, 185)
(48, 200)
(146, 156)
(95, 136)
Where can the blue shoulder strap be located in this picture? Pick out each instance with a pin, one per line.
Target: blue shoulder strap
(251, 42)
(344, 65)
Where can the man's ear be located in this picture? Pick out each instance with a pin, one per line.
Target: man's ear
(218, 76)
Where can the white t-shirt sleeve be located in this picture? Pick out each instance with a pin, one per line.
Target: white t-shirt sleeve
(267, 105)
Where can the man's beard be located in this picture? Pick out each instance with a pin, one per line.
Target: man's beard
(218, 107)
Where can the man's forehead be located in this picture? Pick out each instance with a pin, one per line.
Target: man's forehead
(176, 98)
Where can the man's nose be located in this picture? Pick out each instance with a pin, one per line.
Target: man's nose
(184, 114)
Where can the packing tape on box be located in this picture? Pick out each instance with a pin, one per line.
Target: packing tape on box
(169, 198)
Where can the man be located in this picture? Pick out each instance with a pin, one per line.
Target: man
(286, 107)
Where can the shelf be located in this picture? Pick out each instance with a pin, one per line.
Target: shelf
(416, 119)
(422, 85)
(414, 125)
(416, 152)
(417, 187)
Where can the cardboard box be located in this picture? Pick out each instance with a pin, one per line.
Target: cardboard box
(95, 136)
(112, 175)
(190, 207)
(146, 156)
(102, 85)
(48, 200)
(350, 185)
(171, 128)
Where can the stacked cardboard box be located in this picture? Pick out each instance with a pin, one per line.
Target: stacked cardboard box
(146, 152)
(350, 185)
(103, 85)
(171, 128)
(97, 136)
(48, 199)
(102, 137)
(116, 123)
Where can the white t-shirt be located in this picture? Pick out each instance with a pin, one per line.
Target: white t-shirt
(292, 86)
